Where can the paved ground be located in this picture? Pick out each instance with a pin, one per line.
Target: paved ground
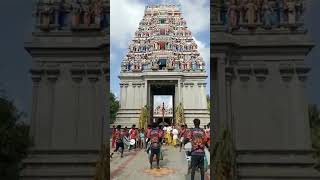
(134, 165)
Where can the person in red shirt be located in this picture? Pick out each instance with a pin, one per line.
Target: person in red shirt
(126, 133)
(154, 136)
(198, 142)
(185, 137)
(147, 132)
(182, 133)
(161, 133)
(208, 135)
(113, 136)
(133, 134)
(119, 134)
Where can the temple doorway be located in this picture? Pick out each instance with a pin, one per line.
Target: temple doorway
(162, 101)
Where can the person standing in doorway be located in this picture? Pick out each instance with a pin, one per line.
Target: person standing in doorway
(119, 134)
(198, 142)
(154, 137)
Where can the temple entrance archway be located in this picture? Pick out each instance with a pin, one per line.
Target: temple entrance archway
(162, 93)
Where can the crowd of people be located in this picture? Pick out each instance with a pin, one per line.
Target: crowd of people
(155, 136)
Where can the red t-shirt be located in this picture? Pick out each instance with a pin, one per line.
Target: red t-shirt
(185, 135)
(208, 136)
(113, 132)
(147, 131)
(119, 135)
(182, 132)
(161, 133)
(154, 135)
(133, 134)
(198, 139)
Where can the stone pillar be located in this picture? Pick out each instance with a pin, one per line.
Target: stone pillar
(125, 105)
(77, 76)
(144, 93)
(178, 92)
(229, 115)
(221, 94)
(121, 95)
(140, 105)
(37, 75)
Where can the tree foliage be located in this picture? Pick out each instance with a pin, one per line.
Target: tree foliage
(14, 139)
(103, 165)
(224, 157)
(314, 118)
(144, 117)
(208, 103)
(114, 107)
(179, 115)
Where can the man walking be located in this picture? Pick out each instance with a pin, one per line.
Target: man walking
(154, 137)
(119, 140)
(133, 135)
(146, 133)
(198, 142)
(181, 136)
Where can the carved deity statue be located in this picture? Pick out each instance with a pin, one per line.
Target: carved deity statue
(251, 12)
(98, 10)
(86, 14)
(76, 11)
(233, 14)
(46, 15)
(299, 10)
(267, 13)
(291, 11)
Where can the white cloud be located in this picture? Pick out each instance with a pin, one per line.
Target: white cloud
(125, 16)
(197, 14)
(204, 51)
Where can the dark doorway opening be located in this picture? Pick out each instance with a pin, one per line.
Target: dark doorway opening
(161, 88)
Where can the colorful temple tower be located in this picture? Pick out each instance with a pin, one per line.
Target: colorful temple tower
(162, 59)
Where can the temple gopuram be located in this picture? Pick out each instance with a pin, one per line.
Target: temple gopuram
(162, 59)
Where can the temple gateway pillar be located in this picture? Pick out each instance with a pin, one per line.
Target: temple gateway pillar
(69, 105)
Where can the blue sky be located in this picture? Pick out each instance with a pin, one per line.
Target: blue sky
(124, 21)
(167, 100)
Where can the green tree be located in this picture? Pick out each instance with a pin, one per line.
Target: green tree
(144, 117)
(224, 157)
(208, 102)
(103, 164)
(14, 139)
(179, 115)
(114, 107)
